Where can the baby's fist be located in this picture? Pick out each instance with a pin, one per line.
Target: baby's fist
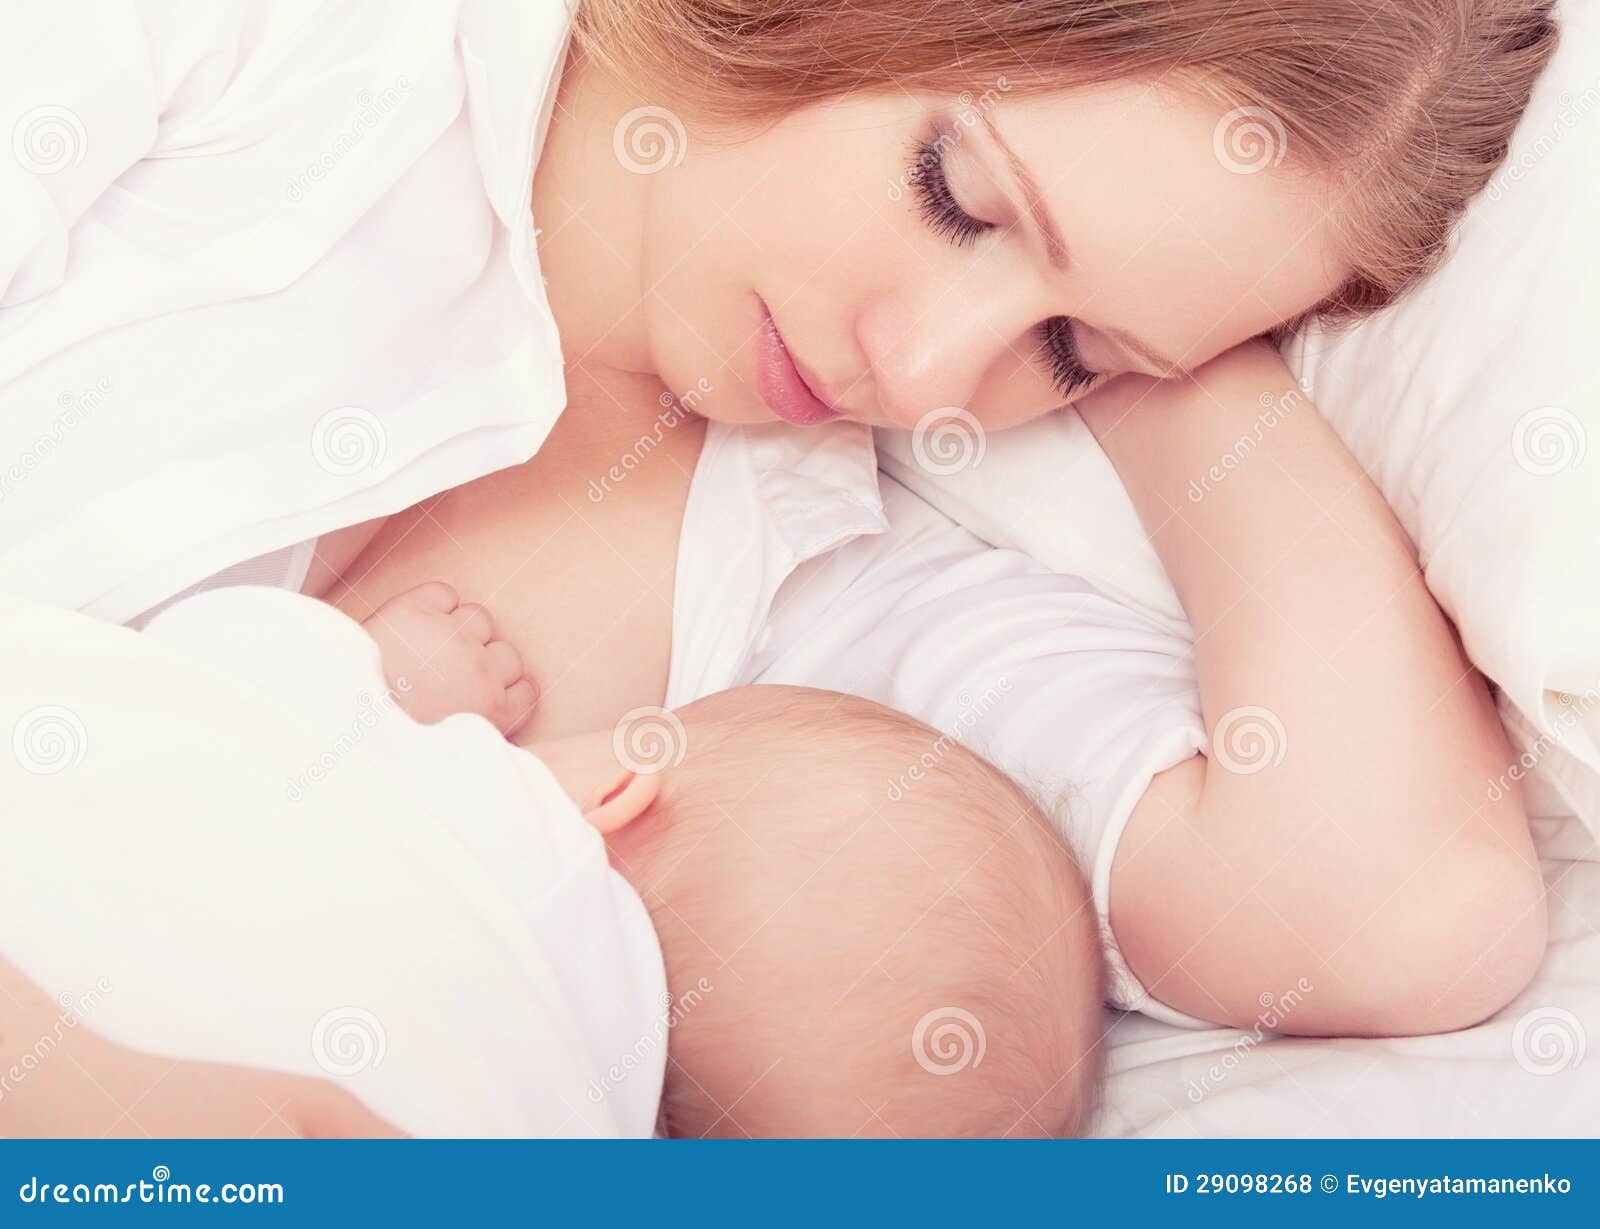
(446, 653)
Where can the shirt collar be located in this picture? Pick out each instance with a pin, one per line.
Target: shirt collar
(764, 500)
(816, 487)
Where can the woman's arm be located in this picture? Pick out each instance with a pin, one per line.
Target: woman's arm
(1341, 830)
(81, 1085)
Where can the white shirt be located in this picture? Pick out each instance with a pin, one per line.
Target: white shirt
(267, 269)
(799, 563)
(228, 843)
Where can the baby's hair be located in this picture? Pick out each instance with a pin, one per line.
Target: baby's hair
(937, 931)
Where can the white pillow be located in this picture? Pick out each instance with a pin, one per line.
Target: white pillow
(1474, 404)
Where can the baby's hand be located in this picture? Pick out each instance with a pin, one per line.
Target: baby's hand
(441, 657)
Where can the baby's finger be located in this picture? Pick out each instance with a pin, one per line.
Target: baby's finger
(436, 595)
(473, 623)
(522, 697)
(505, 662)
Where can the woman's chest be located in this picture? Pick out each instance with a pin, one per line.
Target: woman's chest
(576, 567)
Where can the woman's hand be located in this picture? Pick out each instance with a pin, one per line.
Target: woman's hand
(81, 1085)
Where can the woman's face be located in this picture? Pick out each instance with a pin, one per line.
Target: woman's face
(997, 254)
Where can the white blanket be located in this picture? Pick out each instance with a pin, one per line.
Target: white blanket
(224, 842)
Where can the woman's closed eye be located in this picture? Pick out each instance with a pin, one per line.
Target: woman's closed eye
(1060, 353)
(940, 209)
(944, 215)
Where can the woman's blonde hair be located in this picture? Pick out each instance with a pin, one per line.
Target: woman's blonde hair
(1404, 107)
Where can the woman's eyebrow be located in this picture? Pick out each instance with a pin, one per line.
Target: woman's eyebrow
(1055, 247)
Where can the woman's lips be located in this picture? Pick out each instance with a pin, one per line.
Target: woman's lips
(782, 387)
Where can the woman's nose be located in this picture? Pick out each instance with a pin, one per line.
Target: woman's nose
(934, 354)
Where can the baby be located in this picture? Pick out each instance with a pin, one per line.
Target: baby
(852, 967)
(711, 920)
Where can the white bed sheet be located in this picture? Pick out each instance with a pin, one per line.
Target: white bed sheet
(1525, 1072)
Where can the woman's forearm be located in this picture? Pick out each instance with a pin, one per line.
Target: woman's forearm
(1303, 589)
(1341, 823)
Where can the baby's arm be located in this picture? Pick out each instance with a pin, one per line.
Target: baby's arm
(85, 1096)
(1369, 859)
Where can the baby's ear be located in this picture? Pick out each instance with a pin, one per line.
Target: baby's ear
(626, 797)
(610, 795)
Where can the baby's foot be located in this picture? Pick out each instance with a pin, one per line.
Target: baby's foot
(441, 657)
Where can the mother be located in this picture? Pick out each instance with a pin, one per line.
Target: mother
(869, 210)
(274, 274)
(996, 206)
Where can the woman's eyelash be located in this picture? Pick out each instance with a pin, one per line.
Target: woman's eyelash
(1067, 371)
(943, 215)
(949, 220)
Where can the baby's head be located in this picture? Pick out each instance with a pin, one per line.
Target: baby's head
(847, 954)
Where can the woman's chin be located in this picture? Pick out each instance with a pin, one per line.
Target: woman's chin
(733, 410)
